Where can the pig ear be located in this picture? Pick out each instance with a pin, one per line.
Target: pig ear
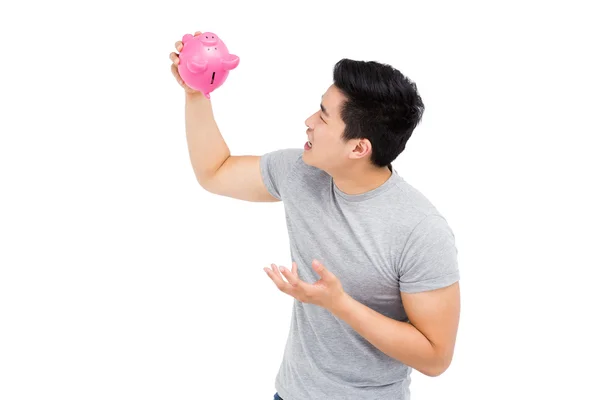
(197, 66)
(230, 61)
(186, 37)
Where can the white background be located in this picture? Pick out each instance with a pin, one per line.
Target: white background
(121, 278)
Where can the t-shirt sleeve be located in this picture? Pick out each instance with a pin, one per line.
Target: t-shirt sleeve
(275, 167)
(429, 260)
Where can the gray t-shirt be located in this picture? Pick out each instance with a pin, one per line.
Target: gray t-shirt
(378, 243)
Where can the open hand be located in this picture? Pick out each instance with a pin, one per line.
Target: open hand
(327, 292)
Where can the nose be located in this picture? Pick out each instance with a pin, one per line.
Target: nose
(309, 123)
(209, 38)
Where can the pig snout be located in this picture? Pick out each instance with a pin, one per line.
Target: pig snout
(209, 39)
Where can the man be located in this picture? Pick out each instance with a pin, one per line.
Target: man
(374, 264)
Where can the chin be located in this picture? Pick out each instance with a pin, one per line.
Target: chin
(304, 157)
(309, 163)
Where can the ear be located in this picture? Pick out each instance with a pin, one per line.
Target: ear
(363, 147)
(197, 66)
(230, 61)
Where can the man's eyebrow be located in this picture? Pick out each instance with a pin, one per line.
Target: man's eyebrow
(323, 109)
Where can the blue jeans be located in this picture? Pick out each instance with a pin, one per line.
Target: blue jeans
(276, 397)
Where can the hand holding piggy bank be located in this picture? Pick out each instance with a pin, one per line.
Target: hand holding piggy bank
(205, 62)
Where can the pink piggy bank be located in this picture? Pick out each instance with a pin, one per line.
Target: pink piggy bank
(205, 62)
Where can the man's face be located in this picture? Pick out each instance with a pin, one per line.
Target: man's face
(325, 128)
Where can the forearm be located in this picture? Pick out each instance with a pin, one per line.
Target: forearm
(206, 146)
(399, 340)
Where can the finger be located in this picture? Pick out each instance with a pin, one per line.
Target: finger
(277, 278)
(322, 271)
(175, 58)
(276, 271)
(291, 278)
(175, 72)
(296, 283)
(197, 33)
(178, 45)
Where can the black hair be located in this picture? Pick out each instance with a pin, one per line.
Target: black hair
(382, 105)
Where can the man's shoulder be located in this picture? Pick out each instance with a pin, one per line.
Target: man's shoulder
(410, 204)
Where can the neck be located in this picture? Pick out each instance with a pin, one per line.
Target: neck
(361, 182)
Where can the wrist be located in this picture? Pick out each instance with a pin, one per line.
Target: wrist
(195, 96)
(341, 304)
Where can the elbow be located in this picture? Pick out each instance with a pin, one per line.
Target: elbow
(436, 368)
(433, 372)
